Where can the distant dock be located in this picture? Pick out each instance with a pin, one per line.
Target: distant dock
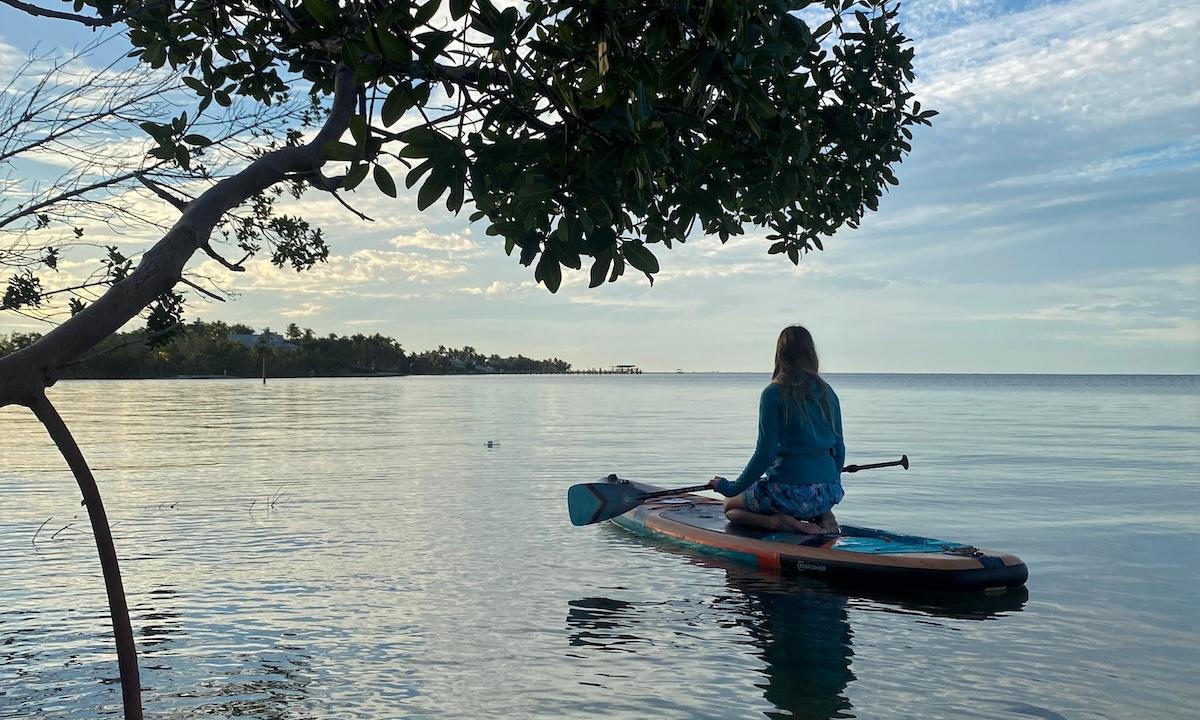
(614, 370)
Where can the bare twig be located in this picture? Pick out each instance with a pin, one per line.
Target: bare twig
(33, 540)
(199, 289)
(207, 247)
(346, 205)
(179, 203)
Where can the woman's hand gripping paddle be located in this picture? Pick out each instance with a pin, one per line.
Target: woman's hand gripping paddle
(594, 502)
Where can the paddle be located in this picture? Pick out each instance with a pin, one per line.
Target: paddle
(902, 462)
(593, 502)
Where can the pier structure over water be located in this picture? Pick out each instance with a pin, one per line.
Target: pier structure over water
(614, 370)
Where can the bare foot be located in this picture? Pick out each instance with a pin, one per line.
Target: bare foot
(796, 525)
(828, 523)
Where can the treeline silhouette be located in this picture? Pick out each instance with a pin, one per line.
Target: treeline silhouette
(205, 349)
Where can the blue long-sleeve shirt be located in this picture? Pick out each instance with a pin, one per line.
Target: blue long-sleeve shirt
(792, 450)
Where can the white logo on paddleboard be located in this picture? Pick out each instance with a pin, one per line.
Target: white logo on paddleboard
(801, 565)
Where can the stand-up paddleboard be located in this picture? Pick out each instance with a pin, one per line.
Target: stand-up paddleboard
(857, 555)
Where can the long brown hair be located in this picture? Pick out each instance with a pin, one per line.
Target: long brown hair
(797, 373)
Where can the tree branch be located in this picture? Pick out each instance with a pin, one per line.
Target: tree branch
(33, 209)
(36, 11)
(346, 205)
(179, 203)
(25, 373)
(207, 247)
(199, 289)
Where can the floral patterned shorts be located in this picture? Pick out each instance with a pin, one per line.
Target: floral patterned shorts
(767, 497)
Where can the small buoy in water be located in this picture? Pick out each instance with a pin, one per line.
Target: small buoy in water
(493, 443)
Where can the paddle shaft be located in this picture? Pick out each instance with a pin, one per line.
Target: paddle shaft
(678, 491)
(592, 502)
(902, 462)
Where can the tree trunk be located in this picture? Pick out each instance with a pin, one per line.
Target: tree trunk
(131, 686)
(25, 374)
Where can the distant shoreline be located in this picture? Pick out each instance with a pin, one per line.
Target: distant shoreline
(763, 373)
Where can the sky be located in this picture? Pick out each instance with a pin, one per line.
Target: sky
(1048, 222)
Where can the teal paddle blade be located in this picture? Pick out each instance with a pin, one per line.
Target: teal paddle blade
(592, 502)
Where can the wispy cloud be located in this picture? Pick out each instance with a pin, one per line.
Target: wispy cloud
(428, 240)
(360, 272)
(1178, 156)
(1079, 63)
(304, 310)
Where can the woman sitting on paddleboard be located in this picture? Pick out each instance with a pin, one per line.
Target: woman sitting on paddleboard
(795, 476)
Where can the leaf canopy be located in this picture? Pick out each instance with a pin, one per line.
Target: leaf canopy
(580, 131)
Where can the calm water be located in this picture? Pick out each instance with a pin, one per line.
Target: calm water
(353, 549)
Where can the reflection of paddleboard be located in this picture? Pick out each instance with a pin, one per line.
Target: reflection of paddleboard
(859, 556)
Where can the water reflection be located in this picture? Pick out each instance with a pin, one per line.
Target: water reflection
(800, 629)
(802, 633)
(269, 682)
(269, 688)
(155, 624)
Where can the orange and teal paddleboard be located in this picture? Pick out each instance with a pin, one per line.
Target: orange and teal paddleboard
(857, 555)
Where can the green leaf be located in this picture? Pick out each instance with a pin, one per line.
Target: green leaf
(600, 240)
(677, 70)
(535, 192)
(426, 12)
(599, 270)
(459, 8)
(358, 130)
(640, 256)
(355, 176)
(322, 11)
(435, 185)
(398, 102)
(195, 84)
(414, 176)
(384, 181)
(337, 150)
(156, 131)
(548, 272)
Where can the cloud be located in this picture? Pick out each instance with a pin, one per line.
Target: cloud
(1178, 156)
(10, 59)
(499, 288)
(1120, 307)
(356, 274)
(427, 240)
(1097, 64)
(304, 310)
